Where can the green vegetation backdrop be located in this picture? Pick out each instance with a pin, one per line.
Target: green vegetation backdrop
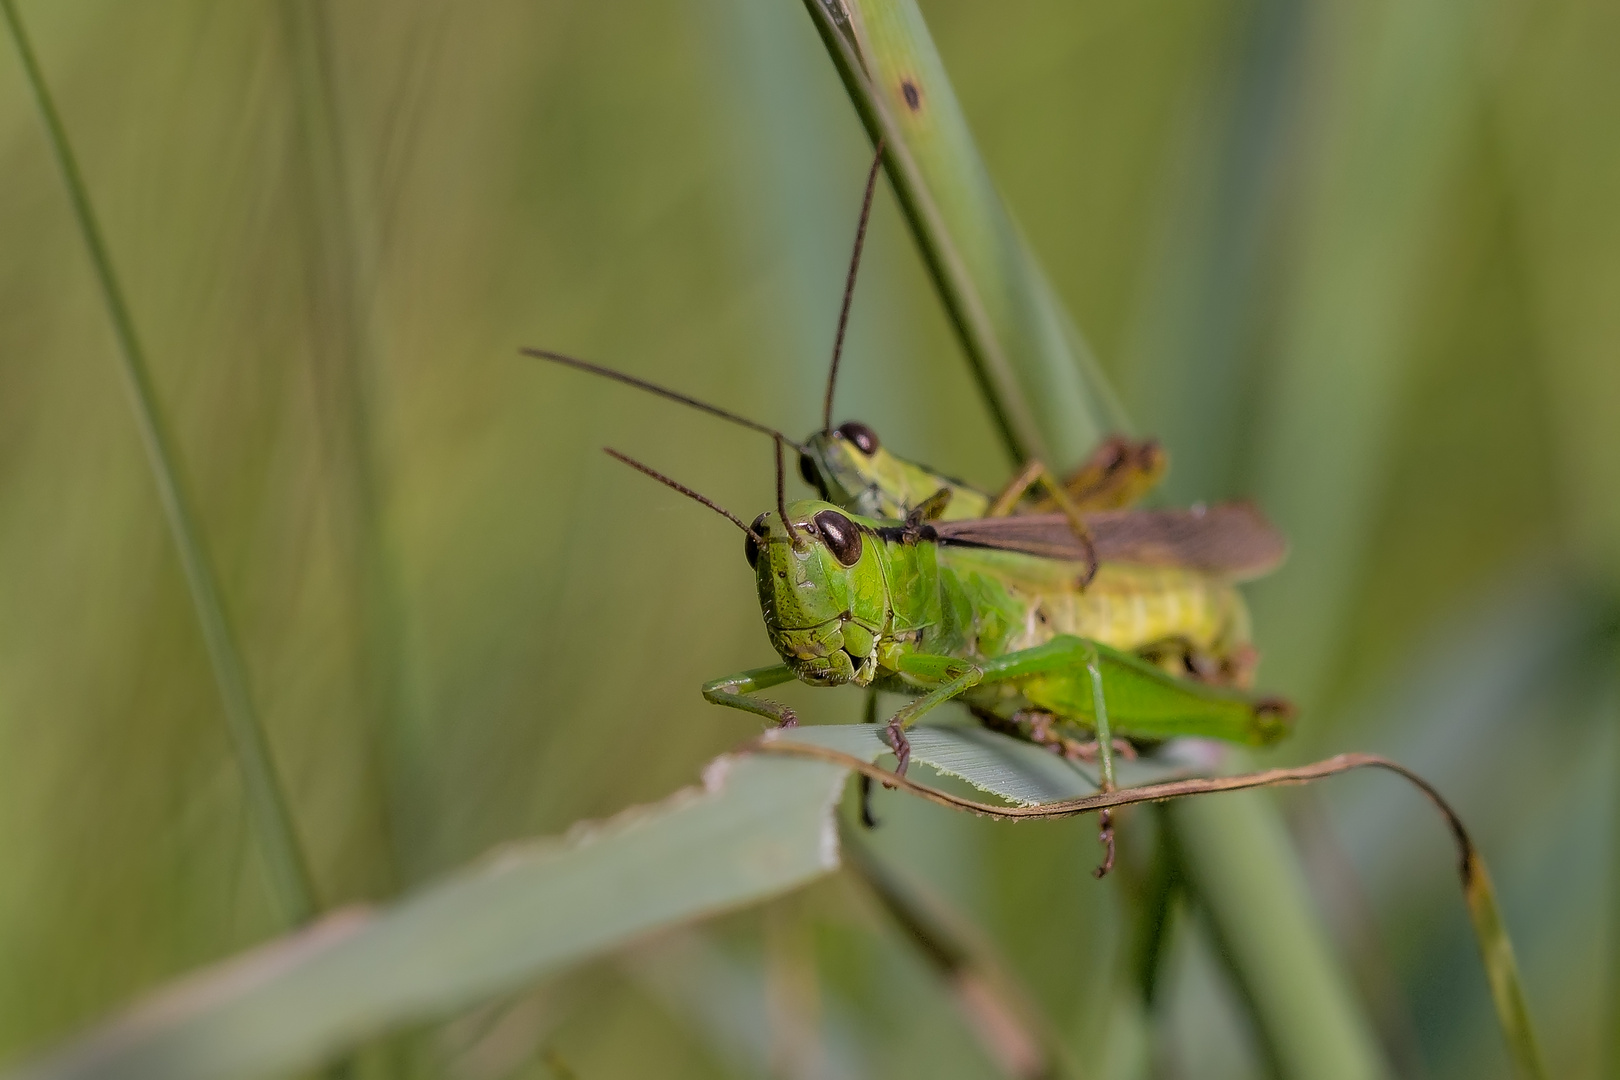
(1357, 260)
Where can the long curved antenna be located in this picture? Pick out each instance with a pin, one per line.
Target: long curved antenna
(660, 391)
(680, 487)
(781, 500)
(849, 284)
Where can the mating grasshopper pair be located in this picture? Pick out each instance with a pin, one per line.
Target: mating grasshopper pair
(1069, 628)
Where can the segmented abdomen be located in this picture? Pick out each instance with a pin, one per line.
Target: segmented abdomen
(1132, 607)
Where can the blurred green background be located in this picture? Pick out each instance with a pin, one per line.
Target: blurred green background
(1358, 260)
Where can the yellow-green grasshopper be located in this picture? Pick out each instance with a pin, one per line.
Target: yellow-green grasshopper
(1000, 613)
(849, 466)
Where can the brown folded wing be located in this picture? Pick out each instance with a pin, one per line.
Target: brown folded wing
(1231, 539)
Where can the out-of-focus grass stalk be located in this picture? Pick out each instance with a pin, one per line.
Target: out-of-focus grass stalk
(287, 870)
(1611, 1047)
(880, 47)
(1323, 441)
(1038, 379)
(1193, 366)
(341, 273)
(1006, 1021)
(1246, 882)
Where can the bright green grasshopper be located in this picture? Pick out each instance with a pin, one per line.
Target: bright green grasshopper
(1001, 613)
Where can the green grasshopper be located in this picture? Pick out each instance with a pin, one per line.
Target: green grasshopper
(1164, 591)
(1001, 613)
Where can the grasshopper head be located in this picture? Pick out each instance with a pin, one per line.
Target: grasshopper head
(822, 592)
(850, 467)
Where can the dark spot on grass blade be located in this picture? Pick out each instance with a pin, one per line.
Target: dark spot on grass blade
(913, 96)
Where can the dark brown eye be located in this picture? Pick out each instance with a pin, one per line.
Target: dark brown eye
(808, 470)
(842, 537)
(864, 438)
(751, 545)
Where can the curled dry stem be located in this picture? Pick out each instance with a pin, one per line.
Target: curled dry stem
(1496, 950)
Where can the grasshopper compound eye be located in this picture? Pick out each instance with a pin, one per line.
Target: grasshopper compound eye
(751, 545)
(842, 537)
(864, 438)
(808, 470)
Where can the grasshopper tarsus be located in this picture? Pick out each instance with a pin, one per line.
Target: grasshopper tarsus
(901, 746)
(1105, 836)
(789, 718)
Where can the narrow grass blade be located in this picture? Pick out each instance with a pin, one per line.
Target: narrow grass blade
(1507, 989)
(288, 872)
(1037, 376)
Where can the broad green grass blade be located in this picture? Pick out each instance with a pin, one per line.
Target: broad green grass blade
(1019, 772)
(756, 828)
(287, 870)
(760, 825)
(1037, 375)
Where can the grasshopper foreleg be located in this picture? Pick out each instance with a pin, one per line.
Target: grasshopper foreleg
(947, 675)
(731, 692)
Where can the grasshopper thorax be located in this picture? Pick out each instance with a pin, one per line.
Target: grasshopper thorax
(821, 591)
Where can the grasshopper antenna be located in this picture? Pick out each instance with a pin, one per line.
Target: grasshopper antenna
(660, 391)
(781, 499)
(849, 284)
(683, 489)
